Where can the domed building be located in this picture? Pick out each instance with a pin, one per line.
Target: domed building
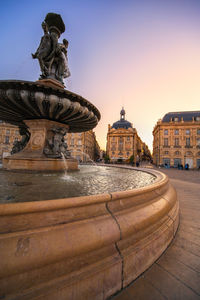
(122, 123)
(123, 141)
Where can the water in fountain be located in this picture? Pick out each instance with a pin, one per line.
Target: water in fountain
(66, 175)
(89, 180)
(64, 161)
(85, 154)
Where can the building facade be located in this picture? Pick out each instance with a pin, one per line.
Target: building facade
(176, 140)
(124, 142)
(8, 135)
(82, 146)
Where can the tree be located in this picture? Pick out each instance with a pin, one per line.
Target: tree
(106, 159)
(131, 159)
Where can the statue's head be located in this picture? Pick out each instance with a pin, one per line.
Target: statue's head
(55, 31)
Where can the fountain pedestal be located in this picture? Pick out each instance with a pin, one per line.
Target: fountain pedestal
(43, 150)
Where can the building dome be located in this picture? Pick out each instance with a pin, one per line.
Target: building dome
(122, 123)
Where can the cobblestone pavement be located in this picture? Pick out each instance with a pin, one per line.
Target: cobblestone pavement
(176, 274)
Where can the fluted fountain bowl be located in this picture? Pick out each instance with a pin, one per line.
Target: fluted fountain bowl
(46, 110)
(26, 100)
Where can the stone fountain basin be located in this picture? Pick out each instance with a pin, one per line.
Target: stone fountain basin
(86, 247)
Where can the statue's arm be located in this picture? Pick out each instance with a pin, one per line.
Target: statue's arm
(35, 55)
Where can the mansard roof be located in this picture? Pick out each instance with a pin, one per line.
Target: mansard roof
(186, 115)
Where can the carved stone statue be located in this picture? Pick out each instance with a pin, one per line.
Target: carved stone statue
(44, 51)
(52, 56)
(20, 145)
(55, 144)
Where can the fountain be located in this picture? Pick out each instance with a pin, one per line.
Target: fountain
(84, 246)
(44, 111)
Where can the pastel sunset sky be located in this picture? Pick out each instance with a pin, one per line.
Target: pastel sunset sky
(143, 55)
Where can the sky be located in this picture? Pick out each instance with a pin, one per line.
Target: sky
(143, 55)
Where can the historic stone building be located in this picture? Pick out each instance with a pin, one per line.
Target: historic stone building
(82, 146)
(177, 140)
(123, 142)
(8, 134)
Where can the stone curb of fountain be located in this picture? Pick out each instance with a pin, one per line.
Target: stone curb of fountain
(133, 226)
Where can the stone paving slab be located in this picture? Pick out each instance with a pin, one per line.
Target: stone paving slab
(176, 274)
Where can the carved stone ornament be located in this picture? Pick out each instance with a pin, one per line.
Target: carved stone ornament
(20, 145)
(55, 143)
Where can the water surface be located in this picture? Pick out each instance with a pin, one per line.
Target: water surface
(25, 187)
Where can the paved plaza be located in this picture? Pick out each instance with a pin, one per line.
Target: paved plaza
(176, 274)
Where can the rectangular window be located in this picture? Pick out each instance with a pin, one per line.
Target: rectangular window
(177, 162)
(198, 142)
(128, 138)
(166, 162)
(166, 142)
(7, 131)
(198, 131)
(198, 163)
(187, 142)
(6, 139)
(187, 132)
(176, 142)
(176, 132)
(113, 146)
(166, 132)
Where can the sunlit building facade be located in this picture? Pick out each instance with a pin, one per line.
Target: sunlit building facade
(8, 135)
(83, 146)
(124, 142)
(177, 140)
